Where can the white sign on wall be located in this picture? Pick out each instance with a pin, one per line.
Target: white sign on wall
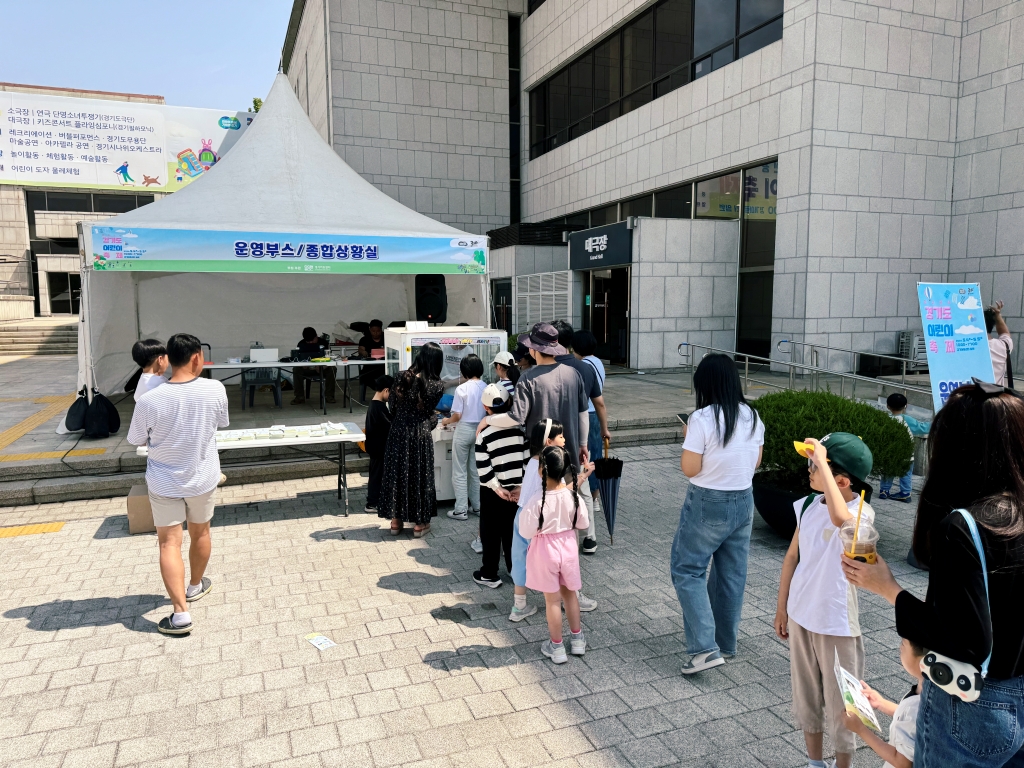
(98, 144)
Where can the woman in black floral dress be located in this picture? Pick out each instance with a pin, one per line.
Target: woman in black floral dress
(407, 490)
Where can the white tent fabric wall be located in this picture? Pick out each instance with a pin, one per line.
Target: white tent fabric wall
(229, 311)
(280, 177)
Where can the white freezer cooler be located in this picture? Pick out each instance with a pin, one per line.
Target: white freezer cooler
(443, 463)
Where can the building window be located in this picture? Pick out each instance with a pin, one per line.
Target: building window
(638, 206)
(674, 203)
(515, 212)
(718, 198)
(664, 48)
(533, 5)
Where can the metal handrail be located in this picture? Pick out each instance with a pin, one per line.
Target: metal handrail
(813, 370)
(815, 347)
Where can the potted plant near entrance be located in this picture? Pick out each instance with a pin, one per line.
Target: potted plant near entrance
(794, 415)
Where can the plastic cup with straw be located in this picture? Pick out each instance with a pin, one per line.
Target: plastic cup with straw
(851, 536)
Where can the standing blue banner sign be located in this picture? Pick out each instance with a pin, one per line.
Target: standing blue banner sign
(953, 319)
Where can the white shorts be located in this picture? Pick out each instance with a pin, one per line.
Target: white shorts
(195, 509)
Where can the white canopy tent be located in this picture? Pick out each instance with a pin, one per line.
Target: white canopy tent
(281, 233)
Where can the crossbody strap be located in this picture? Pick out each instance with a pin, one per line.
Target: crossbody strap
(984, 572)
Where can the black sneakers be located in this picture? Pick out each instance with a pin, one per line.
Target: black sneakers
(479, 578)
(589, 546)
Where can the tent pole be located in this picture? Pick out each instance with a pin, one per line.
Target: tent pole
(85, 309)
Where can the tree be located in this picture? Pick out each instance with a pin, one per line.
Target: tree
(257, 102)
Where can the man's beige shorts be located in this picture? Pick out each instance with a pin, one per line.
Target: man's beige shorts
(816, 695)
(195, 509)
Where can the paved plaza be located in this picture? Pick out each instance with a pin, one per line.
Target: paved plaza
(427, 670)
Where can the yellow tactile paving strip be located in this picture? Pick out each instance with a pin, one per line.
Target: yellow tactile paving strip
(28, 530)
(56, 404)
(51, 454)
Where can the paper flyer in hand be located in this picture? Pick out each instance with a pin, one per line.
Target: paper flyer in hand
(854, 699)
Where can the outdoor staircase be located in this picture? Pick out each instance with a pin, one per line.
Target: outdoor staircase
(20, 338)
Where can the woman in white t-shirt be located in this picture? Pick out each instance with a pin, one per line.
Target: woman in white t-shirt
(467, 410)
(722, 448)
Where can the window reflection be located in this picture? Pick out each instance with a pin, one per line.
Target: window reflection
(714, 22)
(718, 198)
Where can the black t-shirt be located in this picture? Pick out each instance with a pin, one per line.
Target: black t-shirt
(368, 343)
(954, 618)
(378, 427)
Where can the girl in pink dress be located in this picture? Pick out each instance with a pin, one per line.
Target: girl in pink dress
(550, 521)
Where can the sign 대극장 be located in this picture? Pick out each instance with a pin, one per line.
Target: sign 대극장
(953, 319)
(138, 249)
(601, 247)
(62, 141)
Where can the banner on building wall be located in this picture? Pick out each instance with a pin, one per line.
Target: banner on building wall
(116, 249)
(761, 192)
(61, 141)
(953, 318)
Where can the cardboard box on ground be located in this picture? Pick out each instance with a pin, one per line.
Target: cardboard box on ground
(140, 513)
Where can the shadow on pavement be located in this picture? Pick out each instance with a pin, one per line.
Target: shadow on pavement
(94, 612)
(371, 533)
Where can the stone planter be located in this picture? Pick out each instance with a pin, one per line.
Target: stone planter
(775, 505)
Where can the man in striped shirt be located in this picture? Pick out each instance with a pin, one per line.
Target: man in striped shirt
(500, 457)
(178, 422)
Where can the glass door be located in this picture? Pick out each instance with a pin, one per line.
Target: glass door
(609, 313)
(65, 290)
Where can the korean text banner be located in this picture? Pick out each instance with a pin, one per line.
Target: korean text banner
(97, 144)
(953, 318)
(185, 250)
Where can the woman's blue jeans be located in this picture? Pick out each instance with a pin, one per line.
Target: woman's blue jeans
(713, 526)
(986, 733)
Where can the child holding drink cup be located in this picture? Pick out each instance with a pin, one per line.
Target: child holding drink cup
(817, 607)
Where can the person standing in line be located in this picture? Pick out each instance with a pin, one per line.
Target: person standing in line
(499, 458)
(507, 370)
(1001, 347)
(178, 422)
(722, 447)
(584, 345)
(595, 400)
(151, 356)
(378, 427)
(550, 390)
(467, 411)
(970, 614)
(407, 493)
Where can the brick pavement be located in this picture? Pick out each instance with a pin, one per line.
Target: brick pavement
(428, 671)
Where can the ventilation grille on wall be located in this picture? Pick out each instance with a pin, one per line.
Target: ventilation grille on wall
(542, 298)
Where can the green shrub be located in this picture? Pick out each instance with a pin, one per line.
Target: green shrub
(790, 416)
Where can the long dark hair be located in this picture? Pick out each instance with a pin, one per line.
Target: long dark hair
(555, 462)
(717, 384)
(429, 361)
(512, 372)
(537, 435)
(976, 462)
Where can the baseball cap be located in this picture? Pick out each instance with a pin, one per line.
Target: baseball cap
(494, 396)
(845, 450)
(503, 358)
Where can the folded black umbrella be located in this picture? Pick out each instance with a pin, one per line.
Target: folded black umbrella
(608, 472)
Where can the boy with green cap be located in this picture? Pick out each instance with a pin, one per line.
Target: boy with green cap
(817, 608)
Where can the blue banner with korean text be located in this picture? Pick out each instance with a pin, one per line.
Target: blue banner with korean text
(186, 250)
(953, 319)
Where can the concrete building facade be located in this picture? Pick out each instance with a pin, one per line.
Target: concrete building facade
(896, 126)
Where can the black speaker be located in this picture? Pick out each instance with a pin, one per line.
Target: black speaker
(431, 298)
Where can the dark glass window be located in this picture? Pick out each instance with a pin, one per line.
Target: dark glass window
(113, 203)
(609, 214)
(533, 5)
(675, 203)
(581, 88)
(68, 201)
(659, 51)
(759, 38)
(145, 199)
(514, 135)
(672, 36)
(578, 219)
(714, 23)
(638, 206)
(638, 53)
(754, 13)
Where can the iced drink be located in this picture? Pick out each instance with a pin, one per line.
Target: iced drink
(865, 547)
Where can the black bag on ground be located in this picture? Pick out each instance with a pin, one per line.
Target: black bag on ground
(75, 419)
(101, 417)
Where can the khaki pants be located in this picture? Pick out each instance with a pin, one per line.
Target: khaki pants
(816, 696)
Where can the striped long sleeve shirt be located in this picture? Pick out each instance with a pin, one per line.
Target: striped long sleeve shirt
(500, 457)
